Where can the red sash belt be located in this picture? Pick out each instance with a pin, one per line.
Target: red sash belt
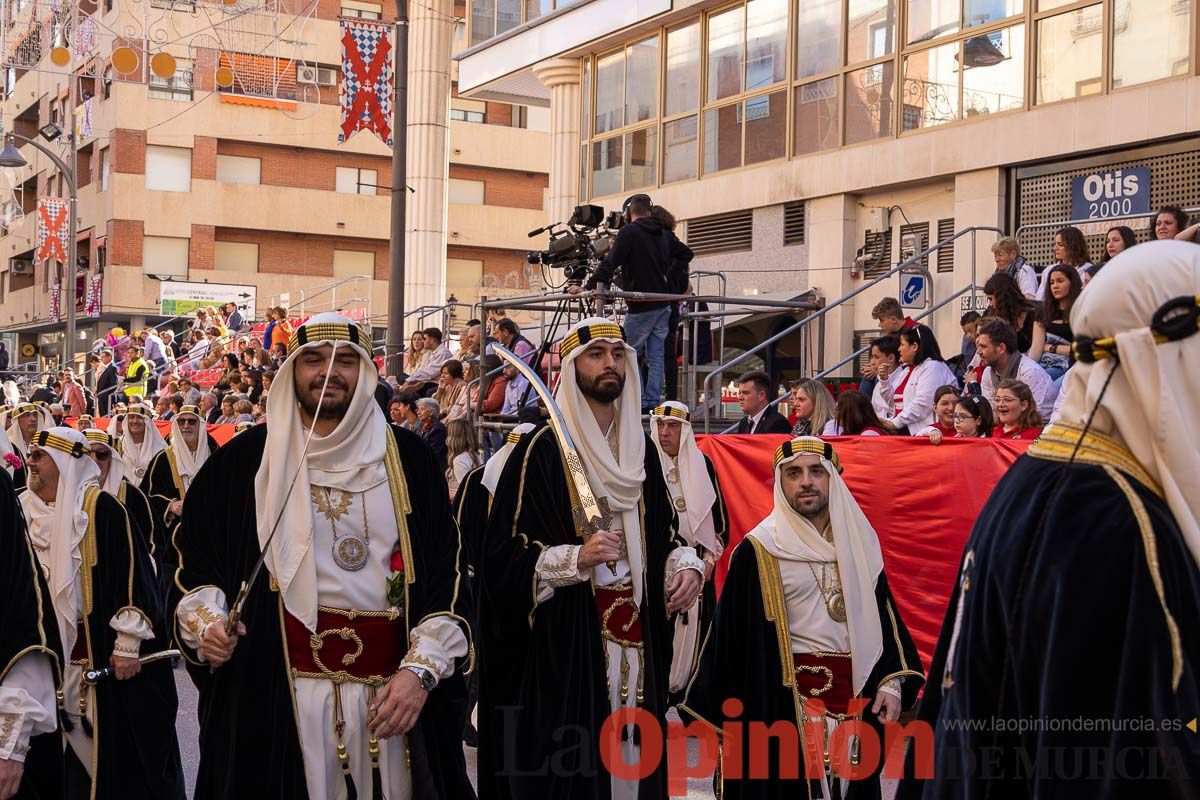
(620, 620)
(359, 646)
(79, 651)
(825, 677)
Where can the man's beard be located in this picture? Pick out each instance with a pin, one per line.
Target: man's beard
(604, 388)
(331, 408)
(812, 511)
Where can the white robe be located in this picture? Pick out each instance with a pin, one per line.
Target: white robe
(438, 640)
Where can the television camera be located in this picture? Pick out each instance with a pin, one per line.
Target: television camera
(578, 245)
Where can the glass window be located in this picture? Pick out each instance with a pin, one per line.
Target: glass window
(536, 8)
(483, 20)
(606, 167)
(930, 88)
(641, 81)
(1049, 5)
(610, 92)
(583, 171)
(981, 12)
(815, 111)
(679, 149)
(725, 33)
(818, 36)
(723, 138)
(929, 19)
(766, 127)
(352, 180)
(870, 30)
(1069, 54)
(641, 158)
(994, 72)
(586, 103)
(1150, 40)
(869, 106)
(508, 15)
(683, 69)
(766, 43)
(465, 192)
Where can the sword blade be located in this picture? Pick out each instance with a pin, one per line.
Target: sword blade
(97, 675)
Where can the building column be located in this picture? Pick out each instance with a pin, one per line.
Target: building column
(831, 250)
(428, 157)
(561, 77)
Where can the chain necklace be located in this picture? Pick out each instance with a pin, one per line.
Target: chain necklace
(678, 500)
(830, 588)
(349, 550)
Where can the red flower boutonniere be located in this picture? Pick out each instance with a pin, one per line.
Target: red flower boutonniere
(13, 460)
(395, 590)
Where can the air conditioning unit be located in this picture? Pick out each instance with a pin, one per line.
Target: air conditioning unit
(318, 76)
(20, 266)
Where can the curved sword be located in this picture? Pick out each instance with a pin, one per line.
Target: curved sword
(592, 514)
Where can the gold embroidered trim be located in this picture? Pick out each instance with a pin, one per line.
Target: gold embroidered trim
(1150, 546)
(817, 671)
(1058, 441)
(775, 606)
(896, 635)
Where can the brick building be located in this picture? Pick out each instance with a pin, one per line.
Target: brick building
(185, 180)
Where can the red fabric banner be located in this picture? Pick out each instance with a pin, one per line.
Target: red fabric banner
(922, 501)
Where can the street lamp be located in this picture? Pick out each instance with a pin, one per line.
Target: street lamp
(10, 156)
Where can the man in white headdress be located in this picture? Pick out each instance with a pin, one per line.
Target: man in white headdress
(576, 622)
(23, 421)
(344, 675)
(703, 523)
(806, 590)
(112, 479)
(1079, 591)
(140, 441)
(169, 476)
(120, 733)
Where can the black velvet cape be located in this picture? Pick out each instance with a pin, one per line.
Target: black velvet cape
(471, 505)
(1061, 620)
(742, 660)
(140, 515)
(28, 626)
(136, 753)
(249, 739)
(543, 684)
(160, 486)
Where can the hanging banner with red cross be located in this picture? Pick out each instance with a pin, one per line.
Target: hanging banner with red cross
(368, 87)
(52, 230)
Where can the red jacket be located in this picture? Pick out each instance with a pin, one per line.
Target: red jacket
(1023, 433)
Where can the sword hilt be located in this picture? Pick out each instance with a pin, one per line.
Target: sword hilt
(235, 612)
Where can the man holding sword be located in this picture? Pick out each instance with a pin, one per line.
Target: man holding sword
(581, 571)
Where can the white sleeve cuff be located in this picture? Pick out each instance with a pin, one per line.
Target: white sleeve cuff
(197, 610)
(133, 628)
(682, 558)
(27, 705)
(435, 644)
(556, 567)
(892, 687)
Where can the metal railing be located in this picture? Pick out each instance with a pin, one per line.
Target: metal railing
(913, 264)
(307, 296)
(1040, 226)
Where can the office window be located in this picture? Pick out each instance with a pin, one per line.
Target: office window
(351, 263)
(869, 104)
(165, 256)
(351, 180)
(626, 93)
(235, 256)
(466, 193)
(239, 169)
(1070, 46)
(462, 115)
(682, 88)
(815, 111)
(818, 37)
(873, 27)
(168, 169)
(1150, 40)
(176, 87)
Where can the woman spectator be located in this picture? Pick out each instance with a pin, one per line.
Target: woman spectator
(408, 411)
(972, 420)
(1168, 222)
(1118, 239)
(431, 428)
(911, 400)
(813, 406)
(1017, 415)
(227, 413)
(1008, 304)
(854, 416)
(462, 452)
(1070, 248)
(396, 413)
(281, 331)
(451, 393)
(243, 408)
(945, 399)
(1008, 258)
(1052, 330)
(415, 354)
(232, 376)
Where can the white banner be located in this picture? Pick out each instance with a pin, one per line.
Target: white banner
(177, 298)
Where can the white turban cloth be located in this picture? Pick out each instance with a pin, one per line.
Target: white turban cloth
(695, 486)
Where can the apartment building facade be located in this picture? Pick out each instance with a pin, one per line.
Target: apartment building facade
(186, 180)
(812, 145)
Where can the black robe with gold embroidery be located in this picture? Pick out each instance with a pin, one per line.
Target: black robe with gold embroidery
(27, 626)
(249, 740)
(162, 485)
(135, 751)
(543, 679)
(742, 659)
(471, 506)
(141, 516)
(1078, 604)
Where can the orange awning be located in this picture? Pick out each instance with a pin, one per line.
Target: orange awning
(260, 102)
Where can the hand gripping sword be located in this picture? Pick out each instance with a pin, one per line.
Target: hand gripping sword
(592, 514)
(97, 675)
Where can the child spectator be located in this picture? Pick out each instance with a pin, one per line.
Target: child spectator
(1017, 415)
(854, 416)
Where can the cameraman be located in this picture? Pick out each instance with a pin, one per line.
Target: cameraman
(651, 259)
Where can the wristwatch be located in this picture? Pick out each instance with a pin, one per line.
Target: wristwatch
(427, 678)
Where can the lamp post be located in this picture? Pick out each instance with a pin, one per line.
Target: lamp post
(10, 156)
